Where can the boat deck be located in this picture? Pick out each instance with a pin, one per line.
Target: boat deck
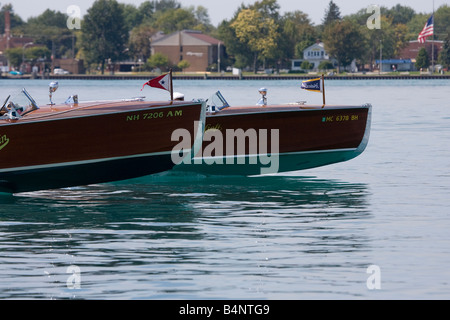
(277, 108)
(55, 112)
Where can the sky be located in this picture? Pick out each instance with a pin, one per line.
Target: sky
(225, 9)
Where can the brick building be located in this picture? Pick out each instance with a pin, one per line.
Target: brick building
(413, 47)
(7, 41)
(199, 49)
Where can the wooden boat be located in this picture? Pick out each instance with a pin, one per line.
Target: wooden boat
(56, 146)
(254, 140)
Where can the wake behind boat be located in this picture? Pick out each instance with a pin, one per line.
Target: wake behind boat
(73, 144)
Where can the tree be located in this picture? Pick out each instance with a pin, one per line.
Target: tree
(134, 16)
(325, 65)
(50, 29)
(442, 22)
(297, 33)
(104, 32)
(35, 53)
(344, 41)
(14, 19)
(332, 14)
(400, 14)
(139, 42)
(422, 60)
(306, 65)
(14, 56)
(179, 19)
(239, 52)
(158, 60)
(390, 37)
(259, 32)
(164, 5)
(268, 8)
(444, 55)
(50, 18)
(183, 64)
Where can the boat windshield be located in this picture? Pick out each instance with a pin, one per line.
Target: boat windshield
(216, 102)
(17, 105)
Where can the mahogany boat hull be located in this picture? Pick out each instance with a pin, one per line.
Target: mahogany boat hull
(297, 138)
(61, 146)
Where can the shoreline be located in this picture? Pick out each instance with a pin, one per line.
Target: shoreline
(230, 77)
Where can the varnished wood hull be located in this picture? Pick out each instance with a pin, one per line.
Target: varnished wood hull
(308, 137)
(63, 146)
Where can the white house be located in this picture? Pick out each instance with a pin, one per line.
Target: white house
(314, 54)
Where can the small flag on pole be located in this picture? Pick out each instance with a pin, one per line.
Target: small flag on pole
(162, 82)
(316, 85)
(312, 85)
(427, 31)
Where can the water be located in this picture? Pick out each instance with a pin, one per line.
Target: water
(304, 235)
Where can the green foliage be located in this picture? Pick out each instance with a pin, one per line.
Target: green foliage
(257, 33)
(50, 18)
(444, 55)
(49, 29)
(344, 41)
(139, 42)
(332, 14)
(175, 19)
(442, 22)
(35, 53)
(257, 29)
(297, 34)
(15, 20)
(400, 14)
(422, 60)
(326, 65)
(14, 56)
(183, 64)
(104, 32)
(158, 60)
(172, 20)
(306, 65)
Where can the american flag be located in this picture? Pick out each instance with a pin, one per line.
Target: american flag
(427, 30)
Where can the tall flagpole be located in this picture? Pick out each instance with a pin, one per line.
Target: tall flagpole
(432, 44)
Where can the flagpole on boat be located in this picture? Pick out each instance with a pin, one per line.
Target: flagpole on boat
(171, 85)
(323, 90)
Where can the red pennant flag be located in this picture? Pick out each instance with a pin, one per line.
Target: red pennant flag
(161, 82)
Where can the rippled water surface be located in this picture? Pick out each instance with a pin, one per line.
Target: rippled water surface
(304, 235)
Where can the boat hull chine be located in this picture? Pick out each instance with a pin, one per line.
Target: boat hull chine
(55, 177)
(290, 138)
